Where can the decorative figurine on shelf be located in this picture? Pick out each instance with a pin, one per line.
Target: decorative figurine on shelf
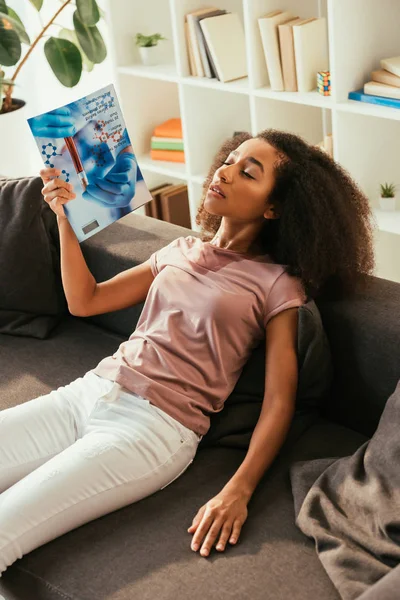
(387, 199)
(148, 48)
(324, 82)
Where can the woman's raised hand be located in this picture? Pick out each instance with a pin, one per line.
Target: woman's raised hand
(56, 192)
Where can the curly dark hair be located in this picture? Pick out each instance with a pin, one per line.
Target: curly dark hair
(324, 230)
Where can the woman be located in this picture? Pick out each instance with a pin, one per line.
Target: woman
(281, 223)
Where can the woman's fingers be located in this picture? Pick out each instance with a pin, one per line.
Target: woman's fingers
(48, 173)
(56, 193)
(59, 193)
(57, 184)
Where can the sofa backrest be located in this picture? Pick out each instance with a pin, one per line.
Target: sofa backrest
(364, 336)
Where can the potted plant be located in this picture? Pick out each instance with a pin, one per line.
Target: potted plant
(67, 53)
(387, 198)
(148, 49)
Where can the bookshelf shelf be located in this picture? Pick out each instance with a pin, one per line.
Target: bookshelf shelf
(170, 169)
(240, 86)
(307, 98)
(366, 137)
(363, 108)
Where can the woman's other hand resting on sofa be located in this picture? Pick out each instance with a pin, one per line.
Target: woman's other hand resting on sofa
(221, 517)
(56, 191)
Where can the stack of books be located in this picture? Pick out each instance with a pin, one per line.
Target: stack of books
(295, 50)
(170, 203)
(216, 44)
(384, 87)
(167, 142)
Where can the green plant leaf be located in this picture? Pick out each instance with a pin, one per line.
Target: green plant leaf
(9, 23)
(69, 34)
(10, 46)
(3, 7)
(88, 11)
(23, 36)
(90, 40)
(37, 4)
(148, 40)
(65, 60)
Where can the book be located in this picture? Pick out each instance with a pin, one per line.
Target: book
(168, 155)
(166, 143)
(268, 27)
(359, 96)
(383, 76)
(391, 64)
(311, 52)
(192, 68)
(224, 36)
(381, 89)
(88, 142)
(205, 54)
(175, 205)
(153, 208)
(170, 203)
(169, 128)
(288, 60)
(190, 19)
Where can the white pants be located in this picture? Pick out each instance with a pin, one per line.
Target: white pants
(78, 453)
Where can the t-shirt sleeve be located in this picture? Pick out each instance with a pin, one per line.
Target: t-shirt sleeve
(286, 292)
(159, 258)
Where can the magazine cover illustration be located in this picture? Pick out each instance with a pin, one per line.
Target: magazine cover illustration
(88, 142)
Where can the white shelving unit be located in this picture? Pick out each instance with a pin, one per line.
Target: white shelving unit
(366, 138)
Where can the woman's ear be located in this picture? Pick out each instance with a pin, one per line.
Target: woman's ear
(270, 213)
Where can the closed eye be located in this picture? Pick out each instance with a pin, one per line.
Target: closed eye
(244, 172)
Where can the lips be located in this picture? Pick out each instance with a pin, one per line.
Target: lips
(217, 189)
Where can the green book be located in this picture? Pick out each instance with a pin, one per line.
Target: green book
(166, 143)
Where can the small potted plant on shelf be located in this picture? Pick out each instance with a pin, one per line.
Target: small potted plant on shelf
(148, 49)
(387, 199)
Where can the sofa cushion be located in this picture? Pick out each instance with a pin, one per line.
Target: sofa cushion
(233, 427)
(32, 300)
(364, 336)
(143, 550)
(32, 367)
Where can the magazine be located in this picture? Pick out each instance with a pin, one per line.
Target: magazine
(88, 142)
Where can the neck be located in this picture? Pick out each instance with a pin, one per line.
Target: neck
(242, 241)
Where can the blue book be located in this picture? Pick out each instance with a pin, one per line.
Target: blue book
(381, 100)
(88, 142)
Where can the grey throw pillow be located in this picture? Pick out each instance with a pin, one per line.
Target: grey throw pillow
(32, 299)
(234, 425)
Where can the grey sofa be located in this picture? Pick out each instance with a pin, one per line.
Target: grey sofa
(143, 550)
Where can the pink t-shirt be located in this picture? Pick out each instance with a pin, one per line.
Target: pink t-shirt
(205, 312)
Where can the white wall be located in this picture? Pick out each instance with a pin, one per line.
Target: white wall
(40, 88)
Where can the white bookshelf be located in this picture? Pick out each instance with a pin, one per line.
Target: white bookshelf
(366, 138)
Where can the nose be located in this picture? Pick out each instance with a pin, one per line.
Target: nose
(222, 174)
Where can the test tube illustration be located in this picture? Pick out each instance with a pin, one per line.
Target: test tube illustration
(77, 161)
